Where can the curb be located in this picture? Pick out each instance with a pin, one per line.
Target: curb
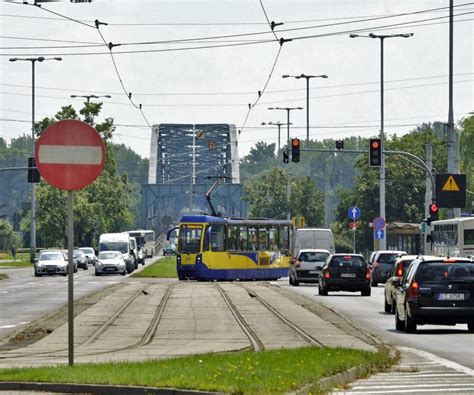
(95, 389)
(327, 384)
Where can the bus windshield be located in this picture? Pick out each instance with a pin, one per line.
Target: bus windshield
(190, 238)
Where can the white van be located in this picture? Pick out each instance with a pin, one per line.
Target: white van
(119, 242)
(313, 238)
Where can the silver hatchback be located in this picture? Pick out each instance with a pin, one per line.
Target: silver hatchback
(307, 265)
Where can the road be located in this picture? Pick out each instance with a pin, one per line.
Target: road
(25, 298)
(451, 342)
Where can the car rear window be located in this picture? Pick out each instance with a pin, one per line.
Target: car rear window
(387, 258)
(347, 261)
(313, 256)
(445, 271)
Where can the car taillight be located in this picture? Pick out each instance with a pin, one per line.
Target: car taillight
(400, 272)
(413, 290)
(367, 275)
(327, 275)
(298, 263)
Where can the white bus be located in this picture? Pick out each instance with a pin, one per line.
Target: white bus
(145, 240)
(453, 237)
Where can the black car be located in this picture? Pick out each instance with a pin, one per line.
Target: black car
(382, 265)
(436, 290)
(345, 272)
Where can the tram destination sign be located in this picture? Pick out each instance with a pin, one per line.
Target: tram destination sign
(451, 190)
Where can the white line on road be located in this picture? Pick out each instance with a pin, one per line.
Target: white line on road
(441, 361)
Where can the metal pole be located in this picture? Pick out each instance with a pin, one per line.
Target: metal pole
(70, 283)
(288, 185)
(279, 126)
(307, 110)
(428, 196)
(33, 185)
(383, 241)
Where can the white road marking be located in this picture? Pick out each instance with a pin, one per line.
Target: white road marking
(441, 361)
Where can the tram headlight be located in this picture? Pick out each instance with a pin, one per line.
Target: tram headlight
(199, 258)
(178, 259)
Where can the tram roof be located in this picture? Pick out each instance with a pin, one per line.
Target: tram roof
(233, 221)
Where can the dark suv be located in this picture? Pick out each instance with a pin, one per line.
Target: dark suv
(436, 290)
(382, 265)
(345, 272)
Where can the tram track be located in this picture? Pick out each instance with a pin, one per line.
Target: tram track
(145, 339)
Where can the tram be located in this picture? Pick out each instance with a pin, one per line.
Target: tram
(217, 248)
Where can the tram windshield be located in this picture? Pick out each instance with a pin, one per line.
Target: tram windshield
(190, 238)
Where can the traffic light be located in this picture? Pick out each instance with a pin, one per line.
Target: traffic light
(339, 144)
(286, 156)
(33, 173)
(295, 150)
(434, 211)
(375, 152)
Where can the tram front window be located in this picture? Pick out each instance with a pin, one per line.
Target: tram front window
(190, 239)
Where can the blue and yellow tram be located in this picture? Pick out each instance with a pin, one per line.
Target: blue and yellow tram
(217, 248)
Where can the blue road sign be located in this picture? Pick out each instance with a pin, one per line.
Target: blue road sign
(354, 212)
(379, 223)
(379, 234)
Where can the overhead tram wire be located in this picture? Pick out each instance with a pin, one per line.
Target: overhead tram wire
(242, 92)
(280, 41)
(410, 24)
(260, 33)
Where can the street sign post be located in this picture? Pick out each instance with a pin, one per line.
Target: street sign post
(70, 155)
(353, 213)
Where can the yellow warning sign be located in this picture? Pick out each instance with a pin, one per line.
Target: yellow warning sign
(450, 185)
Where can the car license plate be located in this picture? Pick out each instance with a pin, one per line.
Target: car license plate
(450, 296)
(348, 275)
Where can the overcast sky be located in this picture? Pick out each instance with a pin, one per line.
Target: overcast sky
(177, 84)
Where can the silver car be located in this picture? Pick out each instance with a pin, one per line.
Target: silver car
(110, 262)
(307, 265)
(50, 262)
(90, 255)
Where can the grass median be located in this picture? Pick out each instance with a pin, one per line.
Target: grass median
(21, 260)
(266, 372)
(163, 268)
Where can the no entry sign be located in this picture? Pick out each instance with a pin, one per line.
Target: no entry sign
(70, 154)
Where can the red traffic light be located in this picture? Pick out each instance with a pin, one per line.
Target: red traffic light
(295, 142)
(433, 208)
(375, 144)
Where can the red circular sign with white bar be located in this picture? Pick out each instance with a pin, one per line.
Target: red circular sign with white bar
(70, 154)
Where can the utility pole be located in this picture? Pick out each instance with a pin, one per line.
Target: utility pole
(428, 195)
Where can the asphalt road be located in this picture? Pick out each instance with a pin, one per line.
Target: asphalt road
(25, 298)
(451, 342)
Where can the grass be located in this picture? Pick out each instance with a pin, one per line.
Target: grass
(22, 259)
(163, 268)
(266, 372)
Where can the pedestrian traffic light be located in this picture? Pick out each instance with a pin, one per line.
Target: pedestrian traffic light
(33, 173)
(295, 149)
(434, 211)
(375, 152)
(286, 156)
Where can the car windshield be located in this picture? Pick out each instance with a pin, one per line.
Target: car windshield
(310, 256)
(439, 271)
(110, 255)
(347, 261)
(387, 258)
(51, 256)
(114, 246)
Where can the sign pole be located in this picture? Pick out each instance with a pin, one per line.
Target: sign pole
(70, 293)
(354, 237)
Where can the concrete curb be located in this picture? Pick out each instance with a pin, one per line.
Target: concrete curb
(327, 384)
(95, 389)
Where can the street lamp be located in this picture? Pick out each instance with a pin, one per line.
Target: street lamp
(89, 97)
(307, 77)
(288, 123)
(279, 124)
(382, 37)
(33, 185)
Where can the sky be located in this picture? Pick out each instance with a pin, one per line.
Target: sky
(223, 52)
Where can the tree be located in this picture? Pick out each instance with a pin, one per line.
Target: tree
(267, 195)
(260, 158)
